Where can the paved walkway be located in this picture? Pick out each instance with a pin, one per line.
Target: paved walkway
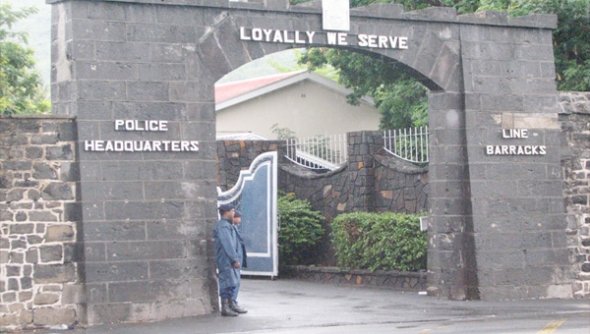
(286, 306)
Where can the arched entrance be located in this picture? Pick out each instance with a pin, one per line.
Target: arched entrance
(139, 76)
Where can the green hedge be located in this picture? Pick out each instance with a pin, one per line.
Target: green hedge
(379, 241)
(300, 230)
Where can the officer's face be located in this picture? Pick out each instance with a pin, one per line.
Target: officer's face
(237, 220)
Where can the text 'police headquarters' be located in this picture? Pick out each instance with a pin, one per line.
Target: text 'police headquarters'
(141, 145)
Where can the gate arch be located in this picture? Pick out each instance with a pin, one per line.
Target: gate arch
(496, 219)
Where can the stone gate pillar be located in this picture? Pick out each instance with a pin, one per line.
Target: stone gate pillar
(130, 74)
(362, 147)
(513, 154)
(451, 250)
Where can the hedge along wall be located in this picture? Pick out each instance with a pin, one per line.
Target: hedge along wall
(575, 120)
(38, 175)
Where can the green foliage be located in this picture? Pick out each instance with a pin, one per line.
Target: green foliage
(300, 230)
(21, 90)
(379, 241)
(571, 39)
(401, 100)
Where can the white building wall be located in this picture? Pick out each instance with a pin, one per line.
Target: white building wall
(306, 107)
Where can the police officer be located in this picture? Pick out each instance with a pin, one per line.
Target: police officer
(227, 258)
(243, 258)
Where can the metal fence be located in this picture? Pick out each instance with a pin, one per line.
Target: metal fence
(318, 152)
(408, 144)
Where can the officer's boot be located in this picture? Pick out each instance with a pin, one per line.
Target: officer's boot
(236, 308)
(226, 310)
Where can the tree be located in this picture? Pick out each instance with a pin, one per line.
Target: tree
(402, 101)
(21, 90)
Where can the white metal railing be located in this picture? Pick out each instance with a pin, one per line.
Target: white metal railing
(409, 144)
(319, 152)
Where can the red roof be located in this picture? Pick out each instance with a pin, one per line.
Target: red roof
(227, 91)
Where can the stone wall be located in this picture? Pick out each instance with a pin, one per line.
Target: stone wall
(370, 181)
(575, 120)
(236, 155)
(400, 186)
(38, 176)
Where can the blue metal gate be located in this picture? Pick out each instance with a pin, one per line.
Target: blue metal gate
(255, 196)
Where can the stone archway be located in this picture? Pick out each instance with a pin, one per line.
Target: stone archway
(139, 77)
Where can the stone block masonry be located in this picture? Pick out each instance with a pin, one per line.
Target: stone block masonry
(575, 121)
(38, 176)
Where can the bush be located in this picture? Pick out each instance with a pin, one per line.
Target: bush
(300, 230)
(379, 241)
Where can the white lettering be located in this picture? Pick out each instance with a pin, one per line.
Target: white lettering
(373, 41)
(383, 42)
(194, 146)
(137, 125)
(141, 146)
(542, 150)
(331, 38)
(512, 149)
(147, 146)
(516, 150)
(89, 145)
(342, 38)
(362, 40)
(243, 35)
(393, 42)
(310, 35)
(184, 146)
(257, 34)
(337, 38)
(108, 147)
(515, 133)
(118, 123)
(267, 33)
(278, 37)
(403, 43)
(298, 38)
(287, 38)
